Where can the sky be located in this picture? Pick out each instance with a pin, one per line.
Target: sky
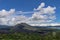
(29, 11)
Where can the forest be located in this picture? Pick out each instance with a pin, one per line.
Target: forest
(30, 36)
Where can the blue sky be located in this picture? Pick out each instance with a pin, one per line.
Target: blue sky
(29, 5)
(25, 5)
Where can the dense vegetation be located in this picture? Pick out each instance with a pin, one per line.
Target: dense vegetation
(30, 36)
(19, 33)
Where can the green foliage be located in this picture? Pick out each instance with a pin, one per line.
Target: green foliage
(30, 36)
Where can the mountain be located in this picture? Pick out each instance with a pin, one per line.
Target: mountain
(23, 27)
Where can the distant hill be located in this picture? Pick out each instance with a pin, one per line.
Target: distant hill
(23, 27)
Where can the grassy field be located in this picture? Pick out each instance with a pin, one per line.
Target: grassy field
(30, 36)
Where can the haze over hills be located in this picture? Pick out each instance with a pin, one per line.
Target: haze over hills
(46, 24)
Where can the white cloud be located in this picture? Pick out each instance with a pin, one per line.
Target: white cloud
(4, 13)
(49, 9)
(4, 16)
(45, 14)
(17, 19)
(42, 15)
(3, 21)
(41, 6)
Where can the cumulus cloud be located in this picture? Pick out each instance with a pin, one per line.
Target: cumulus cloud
(17, 19)
(41, 6)
(49, 9)
(45, 14)
(40, 15)
(4, 13)
(4, 16)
